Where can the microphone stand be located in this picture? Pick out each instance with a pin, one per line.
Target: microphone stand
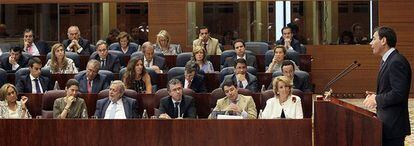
(344, 72)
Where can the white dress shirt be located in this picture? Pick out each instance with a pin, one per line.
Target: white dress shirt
(34, 84)
(292, 108)
(34, 51)
(119, 111)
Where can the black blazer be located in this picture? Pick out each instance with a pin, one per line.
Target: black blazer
(84, 43)
(251, 81)
(394, 81)
(4, 62)
(187, 107)
(99, 83)
(250, 60)
(25, 85)
(197, 84)
(159, 61)
(130, 107)
(112, 62)
(295, 45)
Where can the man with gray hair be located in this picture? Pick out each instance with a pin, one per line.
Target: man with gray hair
(107, 60)
(150, 59)
(75, 43)
(177, 105)
(91, 81)
(116, 106)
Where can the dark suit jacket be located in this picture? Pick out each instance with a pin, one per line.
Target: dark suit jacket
(131, 49)
(112, 62)
(4, 62)
(159, 61)
(84, 43)
(24, 85)
(197, 84)
(251, 79)
(99, 83)
(187, 107)
(394, 81)
(130, 107)
(250, 60)
(301, 83)
(295, 45)
(42, 46)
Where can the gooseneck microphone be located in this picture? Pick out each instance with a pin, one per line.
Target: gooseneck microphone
(344, 72)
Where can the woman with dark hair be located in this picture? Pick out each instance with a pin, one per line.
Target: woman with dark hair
(10, 108)
(136, 77)
(124, 40)
(70, 106)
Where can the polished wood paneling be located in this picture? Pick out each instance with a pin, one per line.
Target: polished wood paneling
(287, 132)
(340, 123)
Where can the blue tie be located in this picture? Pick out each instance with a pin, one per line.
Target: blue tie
(113, 111)
(37, 86)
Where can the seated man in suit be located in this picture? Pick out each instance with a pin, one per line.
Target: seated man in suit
(34, 82)
(177, 105)
(34, 48)
(211, 45)
(107, 61)
(75, 43)
(150, 59)
(243, 78)
(234, 103)
(14, 61)
(191, 79)
(92, 81)
(288, 41)
(116, 106)
(288, 70)
(241, 53)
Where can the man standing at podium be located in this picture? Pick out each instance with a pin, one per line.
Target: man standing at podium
(393, 88)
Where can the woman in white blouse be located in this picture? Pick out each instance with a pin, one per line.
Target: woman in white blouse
(59, 63)
(284, 104)
(10, 108)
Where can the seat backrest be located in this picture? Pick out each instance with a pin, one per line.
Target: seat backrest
(3, 77)
(258, 48)
(183, 58)
(141, 54)
(93, 47)
(114, 46)
(48, 100)
(302, 49)
(72, 55)
(164, 92)
(5, 47)
(225, 55)
(109, 75)
(174, 72)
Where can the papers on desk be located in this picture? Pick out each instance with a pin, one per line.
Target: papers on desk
(229, 117)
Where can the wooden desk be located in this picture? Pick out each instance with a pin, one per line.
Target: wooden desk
(287, 132)
(340, 123)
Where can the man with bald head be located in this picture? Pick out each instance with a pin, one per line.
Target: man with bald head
(150, 59)
(75, 43)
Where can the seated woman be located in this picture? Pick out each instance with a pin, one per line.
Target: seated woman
(136, 77)
(284, 104)
(125, 47)
(163, 44)
(59, 63)
(10, 108)
(200, 58)
(70, 106)
(278, 57)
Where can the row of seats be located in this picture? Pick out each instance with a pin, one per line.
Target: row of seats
(204, 102)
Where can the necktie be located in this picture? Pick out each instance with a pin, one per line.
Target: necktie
(240, 84)
(103, 63)
(189, 85)
(148, 63)
(176, 109)
(283, 115)
(205, 46)
(89, 86)
(29, 49)
(37, 86)
(113, 110)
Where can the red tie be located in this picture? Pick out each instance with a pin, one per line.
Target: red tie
(29, 49)
(89, 87)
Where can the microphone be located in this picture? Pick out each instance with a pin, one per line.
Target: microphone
(344, 72)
